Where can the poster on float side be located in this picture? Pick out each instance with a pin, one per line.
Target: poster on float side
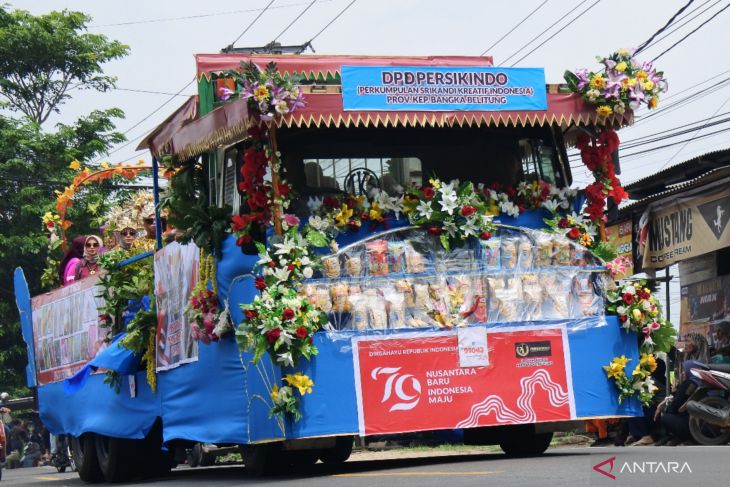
(414, 381)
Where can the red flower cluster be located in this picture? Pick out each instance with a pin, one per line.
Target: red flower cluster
(596, 153)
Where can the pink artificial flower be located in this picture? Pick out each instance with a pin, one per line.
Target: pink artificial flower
(291, 220)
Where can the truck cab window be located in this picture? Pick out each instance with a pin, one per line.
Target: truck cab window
(393, 174)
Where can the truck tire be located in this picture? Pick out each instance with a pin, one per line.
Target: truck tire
(115, 457)
(192, 457)
(260, 459)
(338, 453)
(526, 444)
(154, 461)
(203, 458)
(83, 452)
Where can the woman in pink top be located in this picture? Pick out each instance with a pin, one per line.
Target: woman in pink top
(67, 267)
(89, 265)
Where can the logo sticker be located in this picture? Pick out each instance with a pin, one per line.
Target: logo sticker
(533, 349)
(716, 215)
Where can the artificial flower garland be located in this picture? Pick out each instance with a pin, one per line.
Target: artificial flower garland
(210, 322)
(638, 310)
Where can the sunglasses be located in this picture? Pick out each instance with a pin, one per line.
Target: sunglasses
(150, 221)
(129, 232)
(92, 244)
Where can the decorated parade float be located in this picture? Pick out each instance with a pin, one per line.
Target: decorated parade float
(360, 246)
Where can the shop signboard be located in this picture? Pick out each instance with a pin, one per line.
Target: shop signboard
(705, 304)
(416, 381)
(685, 227)
(433, 88)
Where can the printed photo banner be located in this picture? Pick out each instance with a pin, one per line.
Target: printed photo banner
(414, 88)
(683, 228)
(176, 273)
(620, 235)
(416, 381)
(65, 329)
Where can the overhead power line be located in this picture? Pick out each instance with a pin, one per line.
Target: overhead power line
(672, 19)
(515, 27)
(685, 22)
(199, 16)
(309, 42)
(294, 21)
(230, 46)
(691, 32)
(558, 32)
(150, 92)
(541, 33)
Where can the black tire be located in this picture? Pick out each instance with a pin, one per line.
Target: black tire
(260, 459)
(116, 457)
(339, 453)
(83, 451)
(706, 433)
(302, 458)
(526, 444)
(192, 458)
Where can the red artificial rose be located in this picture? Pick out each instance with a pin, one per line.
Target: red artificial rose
(628, 298)
(354, 225)
(364, 216)
(574, 233)
(331, 202)
(273, 335)
(467, 210)
(434, 230)
(272, 264)
(485, 236)
(244, 240)
(290, 267)
(284, 190)
(287, 314)
(250, 314)
(623, 318)
(582, 140)
(301, 332)
(428, 192)
(260, 283)
(563, 223)
(511, 192)
(643, 294)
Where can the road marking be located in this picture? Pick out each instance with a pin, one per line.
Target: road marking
(414, 474)
(50, 478)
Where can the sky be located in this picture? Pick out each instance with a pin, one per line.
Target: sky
(163, 36)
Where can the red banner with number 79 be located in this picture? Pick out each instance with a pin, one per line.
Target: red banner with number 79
(414, 382)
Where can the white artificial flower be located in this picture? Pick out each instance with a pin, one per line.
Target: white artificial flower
(281, 274)
(621, 310)
(307, 272)
(334, 247)
(509, 208)
(314, 204)
(629, 289)
(286, 360)
(424, 210)
(285, 247)
(550, 205)
(450, 228)
(646, 305)
(470, 228)
(448, 200)
(305, 261)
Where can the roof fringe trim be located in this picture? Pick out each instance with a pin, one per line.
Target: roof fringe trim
(220, 137)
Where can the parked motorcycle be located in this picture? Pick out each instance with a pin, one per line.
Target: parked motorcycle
(709, 407)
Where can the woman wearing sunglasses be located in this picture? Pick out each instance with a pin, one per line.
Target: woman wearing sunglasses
(89, 265)
(126, 237)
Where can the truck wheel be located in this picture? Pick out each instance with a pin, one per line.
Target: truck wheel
(526, 444)
(338, 453)
(302, 458)
(114, 456)
(259, 459)
(706, 433)
(192, 457)
(83, 452)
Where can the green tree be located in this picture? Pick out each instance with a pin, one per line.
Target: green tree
(41, 59)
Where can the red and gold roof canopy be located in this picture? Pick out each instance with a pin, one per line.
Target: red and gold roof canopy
(186, 136)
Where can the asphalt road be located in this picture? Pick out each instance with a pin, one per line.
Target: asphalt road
(666, 466)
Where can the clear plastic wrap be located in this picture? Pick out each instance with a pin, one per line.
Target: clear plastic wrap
(405, 279)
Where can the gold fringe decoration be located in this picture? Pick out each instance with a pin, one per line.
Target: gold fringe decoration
(149, 356)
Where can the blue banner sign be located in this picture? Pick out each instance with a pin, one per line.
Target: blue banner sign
(419, 88)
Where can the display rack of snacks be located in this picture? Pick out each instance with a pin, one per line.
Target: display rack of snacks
(405, 279)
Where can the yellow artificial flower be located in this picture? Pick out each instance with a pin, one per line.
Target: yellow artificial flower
(638, 372)
(653, 102)
(274, 393)
(376, 213)
(302, 382)
(435, 183)
(648, 85)
(140, 162)
(625, 83)
(642, 75)
(616, 368)
(104, 165)
(598, 82)
(343, 216)
(261, 92)
(604, 111)
(648, 360)
(75, 165)
(621, 67)
(586, 240)
(493, 208)
(636, 313)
